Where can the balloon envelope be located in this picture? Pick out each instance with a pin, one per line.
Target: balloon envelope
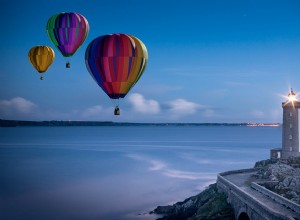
(41, 57)
(67, 31)
(116, 62)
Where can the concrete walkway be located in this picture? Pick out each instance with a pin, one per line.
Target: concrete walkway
(243, 181)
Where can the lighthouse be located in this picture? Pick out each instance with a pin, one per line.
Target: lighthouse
(290, 127)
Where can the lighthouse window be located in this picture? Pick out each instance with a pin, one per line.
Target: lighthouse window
(291, 114)
(290, 137)
(291, 125)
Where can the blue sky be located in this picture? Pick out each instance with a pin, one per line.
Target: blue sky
(209, 61)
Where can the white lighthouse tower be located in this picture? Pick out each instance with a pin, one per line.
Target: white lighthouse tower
(290, 127)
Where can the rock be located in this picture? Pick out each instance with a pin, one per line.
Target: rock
(294, 162)
(209, 204)
(278, 175)
(264, 163)
(284, 174)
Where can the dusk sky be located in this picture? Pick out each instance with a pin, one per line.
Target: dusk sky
(209, 60)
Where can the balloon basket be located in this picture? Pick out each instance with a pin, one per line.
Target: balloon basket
(117, 111)
(68, 65)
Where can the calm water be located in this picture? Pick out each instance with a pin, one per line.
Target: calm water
(89, 173)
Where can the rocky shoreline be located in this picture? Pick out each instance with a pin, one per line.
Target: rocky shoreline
(278, 175)
(209, 204)
(281, 177)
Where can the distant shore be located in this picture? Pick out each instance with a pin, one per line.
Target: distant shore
(18, 123)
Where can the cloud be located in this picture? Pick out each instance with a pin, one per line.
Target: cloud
(16, 106)
(92, 111)
(137, 106)
(171, 110)
(257, 114)
(272, 115)
(209, 112)
(96, 112)
(276, 114)
(179, 107)
(140, 104)
(20, 108)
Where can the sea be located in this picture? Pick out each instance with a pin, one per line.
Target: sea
(118, 172)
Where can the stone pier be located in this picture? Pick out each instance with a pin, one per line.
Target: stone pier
(252, 201)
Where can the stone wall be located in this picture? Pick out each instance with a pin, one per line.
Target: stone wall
(285, 202)
(241, 201)
(238, 171)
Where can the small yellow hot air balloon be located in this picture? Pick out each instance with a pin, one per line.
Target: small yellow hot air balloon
(41, 57)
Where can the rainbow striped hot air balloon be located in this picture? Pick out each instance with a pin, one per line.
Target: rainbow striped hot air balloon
(67, 31)
(116, 62)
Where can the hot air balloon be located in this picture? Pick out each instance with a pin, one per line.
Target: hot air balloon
(116, 62)
(41, 57)
(67, 31)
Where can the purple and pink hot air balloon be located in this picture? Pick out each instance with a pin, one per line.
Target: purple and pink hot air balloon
(67, 31)
(116, 62)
